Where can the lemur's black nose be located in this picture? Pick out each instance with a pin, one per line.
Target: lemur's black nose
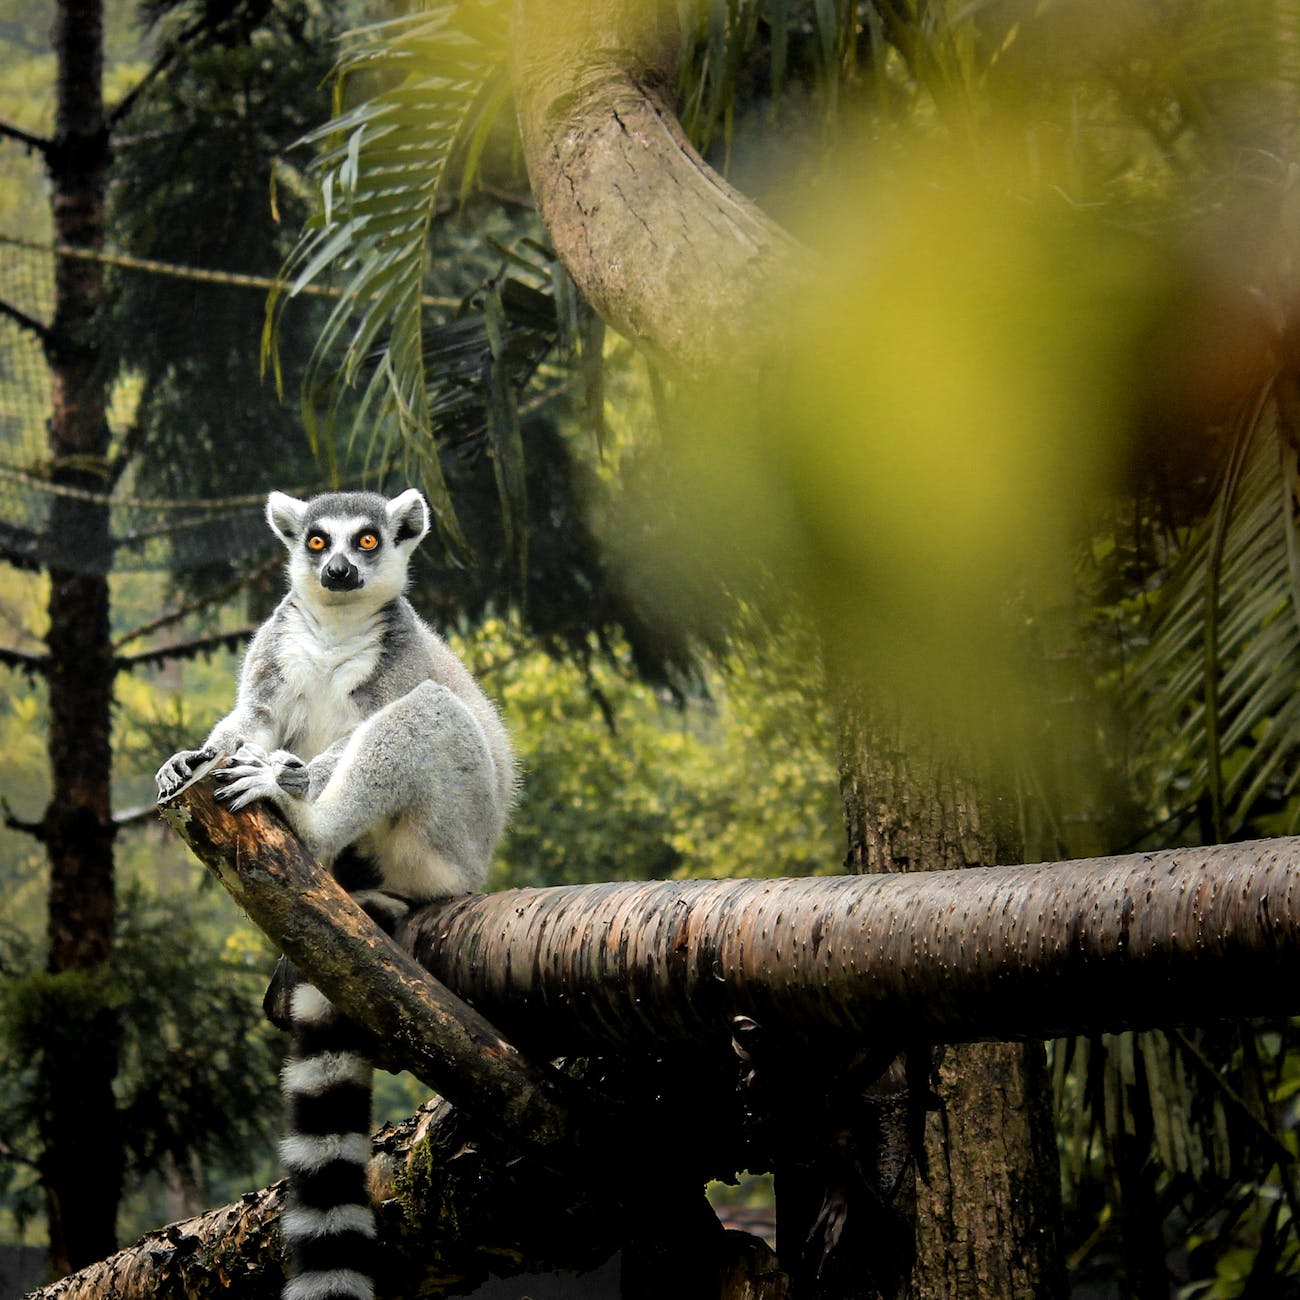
(340, 574)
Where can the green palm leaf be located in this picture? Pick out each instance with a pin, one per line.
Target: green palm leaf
(433, 83)
(1217, 684)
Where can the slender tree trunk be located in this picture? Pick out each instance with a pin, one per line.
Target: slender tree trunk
(988, 1213)
(82, 1161)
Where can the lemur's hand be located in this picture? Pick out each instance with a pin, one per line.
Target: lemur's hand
(291, 773)
(179, 768)
(255, 774)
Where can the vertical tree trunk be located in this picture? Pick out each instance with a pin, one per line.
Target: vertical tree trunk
(82, 1160)
(988, 1215)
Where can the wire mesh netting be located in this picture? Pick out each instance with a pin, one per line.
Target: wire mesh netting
(145, 532)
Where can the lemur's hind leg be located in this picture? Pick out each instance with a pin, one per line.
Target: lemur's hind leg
(415, 783)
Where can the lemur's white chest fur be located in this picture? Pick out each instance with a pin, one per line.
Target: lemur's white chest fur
(324, 654)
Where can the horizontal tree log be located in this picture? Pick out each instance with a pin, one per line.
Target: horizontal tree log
(1171, 938)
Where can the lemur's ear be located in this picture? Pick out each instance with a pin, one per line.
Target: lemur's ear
(285, 514)
(408, 514)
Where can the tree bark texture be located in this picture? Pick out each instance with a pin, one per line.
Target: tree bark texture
(655, 973)
(448, 1214)
(989, 1206)
(661, 246)
(81, 1160)
(1017, 952)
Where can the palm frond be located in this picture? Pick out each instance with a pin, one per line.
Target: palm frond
(1188, 1110)
(1217, 685)
(428, 88)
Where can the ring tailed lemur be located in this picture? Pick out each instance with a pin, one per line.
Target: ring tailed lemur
(369, 735)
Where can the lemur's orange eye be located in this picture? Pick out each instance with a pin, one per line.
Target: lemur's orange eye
(367, 541)
(316, 542)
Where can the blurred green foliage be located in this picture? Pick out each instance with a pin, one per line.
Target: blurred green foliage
(623, 781)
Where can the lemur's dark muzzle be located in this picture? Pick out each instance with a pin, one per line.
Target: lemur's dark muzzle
(340, 574)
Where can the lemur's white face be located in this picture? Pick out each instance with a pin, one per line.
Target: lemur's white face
(349, 548)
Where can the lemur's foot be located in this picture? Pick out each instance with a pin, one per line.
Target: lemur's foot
(255, 774)
(385, 909)
(179, 768)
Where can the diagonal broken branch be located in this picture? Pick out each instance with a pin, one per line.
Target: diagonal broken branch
(307, 914)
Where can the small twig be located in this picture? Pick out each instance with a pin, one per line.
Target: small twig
(178, 612)
(24, 321)
(125, 453)
(186, 649)
(127, 102)
(26, 661)
(39, 143)
(15, 823)
(133, 816)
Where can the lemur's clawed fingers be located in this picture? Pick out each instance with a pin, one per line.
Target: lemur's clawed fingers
(255, 774)
(172, 774)
(385, 909)
(242, 782)
(178, 769)
(291, 773)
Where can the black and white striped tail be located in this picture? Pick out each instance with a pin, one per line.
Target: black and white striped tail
(329, 1226)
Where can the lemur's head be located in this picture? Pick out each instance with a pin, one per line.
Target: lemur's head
(347, 547)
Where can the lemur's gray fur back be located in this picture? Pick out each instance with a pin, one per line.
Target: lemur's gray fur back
(376, 744)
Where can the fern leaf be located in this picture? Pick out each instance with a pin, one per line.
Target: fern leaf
(431, 84)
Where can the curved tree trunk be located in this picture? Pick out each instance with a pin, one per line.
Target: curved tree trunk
(421, 1025)
(662, 247)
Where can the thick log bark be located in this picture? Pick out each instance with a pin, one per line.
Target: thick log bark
(450, 1210)
(620, 967)
(661, 246)
(236, 1245)
(1185, 936)
(448, 1214)
(81, 1159)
